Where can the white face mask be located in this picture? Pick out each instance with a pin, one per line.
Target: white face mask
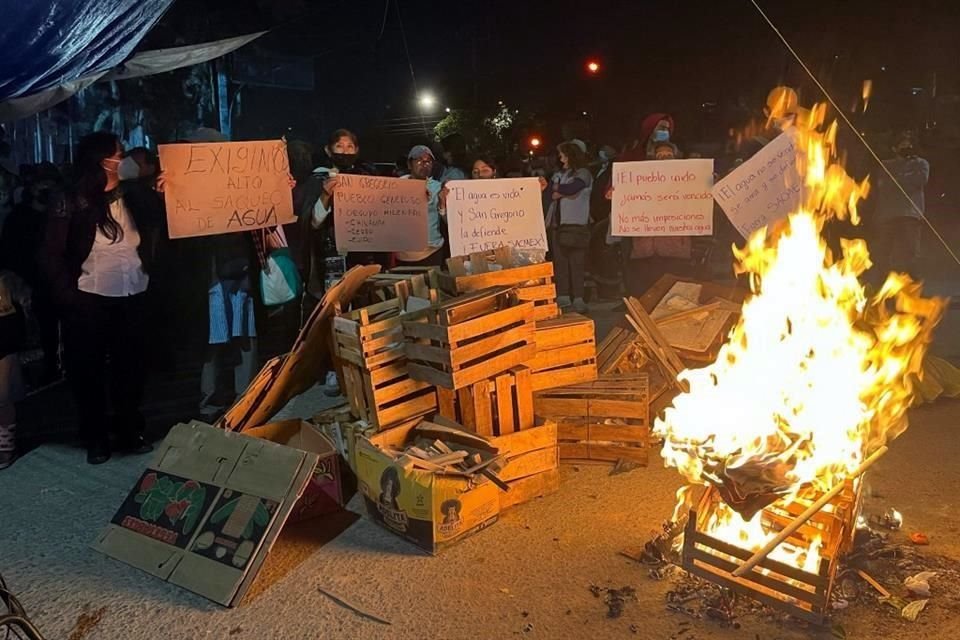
(128, 169)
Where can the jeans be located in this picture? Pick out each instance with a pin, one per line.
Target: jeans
(105, 343)
(569, 265)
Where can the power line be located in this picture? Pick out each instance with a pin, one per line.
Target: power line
(873, 153)
(413, 76)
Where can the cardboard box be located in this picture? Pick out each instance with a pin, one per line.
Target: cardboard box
(208, 508)
(331, 486)
(431, 510)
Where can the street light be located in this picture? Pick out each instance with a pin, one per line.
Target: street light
(535, 142)
(426, 100)
(593, 66)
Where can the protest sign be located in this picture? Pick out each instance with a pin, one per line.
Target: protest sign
(373, 213)
(488, 214)
(662, 198)
(763, 189)
(225, 187)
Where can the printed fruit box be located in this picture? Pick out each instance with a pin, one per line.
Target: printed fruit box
(207, 510)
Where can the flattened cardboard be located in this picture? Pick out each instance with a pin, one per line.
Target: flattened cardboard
(207, 509)
(330, 489)
(430, 510)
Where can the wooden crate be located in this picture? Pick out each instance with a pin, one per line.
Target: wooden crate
(800, 593)
(620, 352)
(470, 338)
(566, 352)
(534, 283)
(585, 416)
(369, 344)
(532, 468)
(499, 406)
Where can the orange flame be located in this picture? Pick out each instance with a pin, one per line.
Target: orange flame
(817, 373)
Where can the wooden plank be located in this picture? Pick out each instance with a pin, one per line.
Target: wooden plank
(529, 464)
(469, 353)
(399, 389)
(527, 489)
(503, 277)
(504, 391)
(383, 375)
(561, 356)
(523, 388)
(415, 407)
(538, 437)
(542, 380)
(457, 311)
(603, 452)
(547, 292)
(446, 403)
(482, 408)
(552, 334)
(490, 322)
(467, 409)
(546, 311)
(587, 432)
(428, 353)
(490, 367)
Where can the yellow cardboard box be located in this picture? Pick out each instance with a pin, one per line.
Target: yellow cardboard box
(431, 510)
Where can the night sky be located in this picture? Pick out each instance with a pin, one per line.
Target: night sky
(656, 55)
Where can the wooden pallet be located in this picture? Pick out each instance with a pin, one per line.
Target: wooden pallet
(470, 338)
(566, 352)
(532, 463)
(534, 283)
(585, 416)
(800, 593)
(369, 344)
(496, 407)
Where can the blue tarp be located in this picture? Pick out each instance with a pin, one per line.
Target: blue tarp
(45, 43)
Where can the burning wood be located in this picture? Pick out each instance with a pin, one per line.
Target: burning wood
(815, 374)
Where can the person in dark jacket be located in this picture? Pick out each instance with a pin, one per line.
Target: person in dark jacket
(14, 299)
(95, 260)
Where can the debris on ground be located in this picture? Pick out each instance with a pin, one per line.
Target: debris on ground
(919, 538)
(357, 610)
(912, 610)
(624, 466)
(86, 622)
(615, 599)
(235, 631)
(919, 585)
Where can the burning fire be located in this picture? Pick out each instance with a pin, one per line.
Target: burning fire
(815, 375)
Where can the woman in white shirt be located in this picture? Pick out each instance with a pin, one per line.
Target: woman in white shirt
(94, 260)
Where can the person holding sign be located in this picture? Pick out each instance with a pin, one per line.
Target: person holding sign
(569, 218)
(95, 257)
(420, 161)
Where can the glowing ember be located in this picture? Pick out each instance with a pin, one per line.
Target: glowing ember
(815, 375)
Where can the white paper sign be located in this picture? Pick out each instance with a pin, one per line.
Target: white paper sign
(764, 189)
(662, 198)
(489, 214)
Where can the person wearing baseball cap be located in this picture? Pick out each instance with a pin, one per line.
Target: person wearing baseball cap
(420, 161)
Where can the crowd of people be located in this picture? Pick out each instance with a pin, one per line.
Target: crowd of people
(88, 273)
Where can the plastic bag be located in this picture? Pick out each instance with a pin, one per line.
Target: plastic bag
(279, 279)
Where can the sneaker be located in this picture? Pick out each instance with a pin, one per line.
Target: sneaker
(580, 306)
(7, 458)
(98, 453)
(8, 445)
(331, 385)
(563, 301)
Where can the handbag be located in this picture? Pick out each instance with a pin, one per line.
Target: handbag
(279, 278)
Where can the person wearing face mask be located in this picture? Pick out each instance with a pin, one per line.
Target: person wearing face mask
(95, 260)
(421, 162)
(569, 220)
(897, 223)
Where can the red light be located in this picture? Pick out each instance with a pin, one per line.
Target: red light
(593, 66)
(534, 142)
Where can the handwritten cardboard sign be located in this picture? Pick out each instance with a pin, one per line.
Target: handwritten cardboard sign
(662, 198)
(489, 214)
(374, 213)
(225, 187)
(764, 189)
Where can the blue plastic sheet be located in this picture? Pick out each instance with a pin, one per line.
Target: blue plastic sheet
(45, 43)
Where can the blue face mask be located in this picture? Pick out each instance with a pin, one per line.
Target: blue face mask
(661, 135)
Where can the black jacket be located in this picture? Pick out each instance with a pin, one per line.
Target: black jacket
(72, 228)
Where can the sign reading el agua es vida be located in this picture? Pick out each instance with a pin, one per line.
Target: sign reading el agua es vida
(662, 198)
(225, 187)
(489, 214)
